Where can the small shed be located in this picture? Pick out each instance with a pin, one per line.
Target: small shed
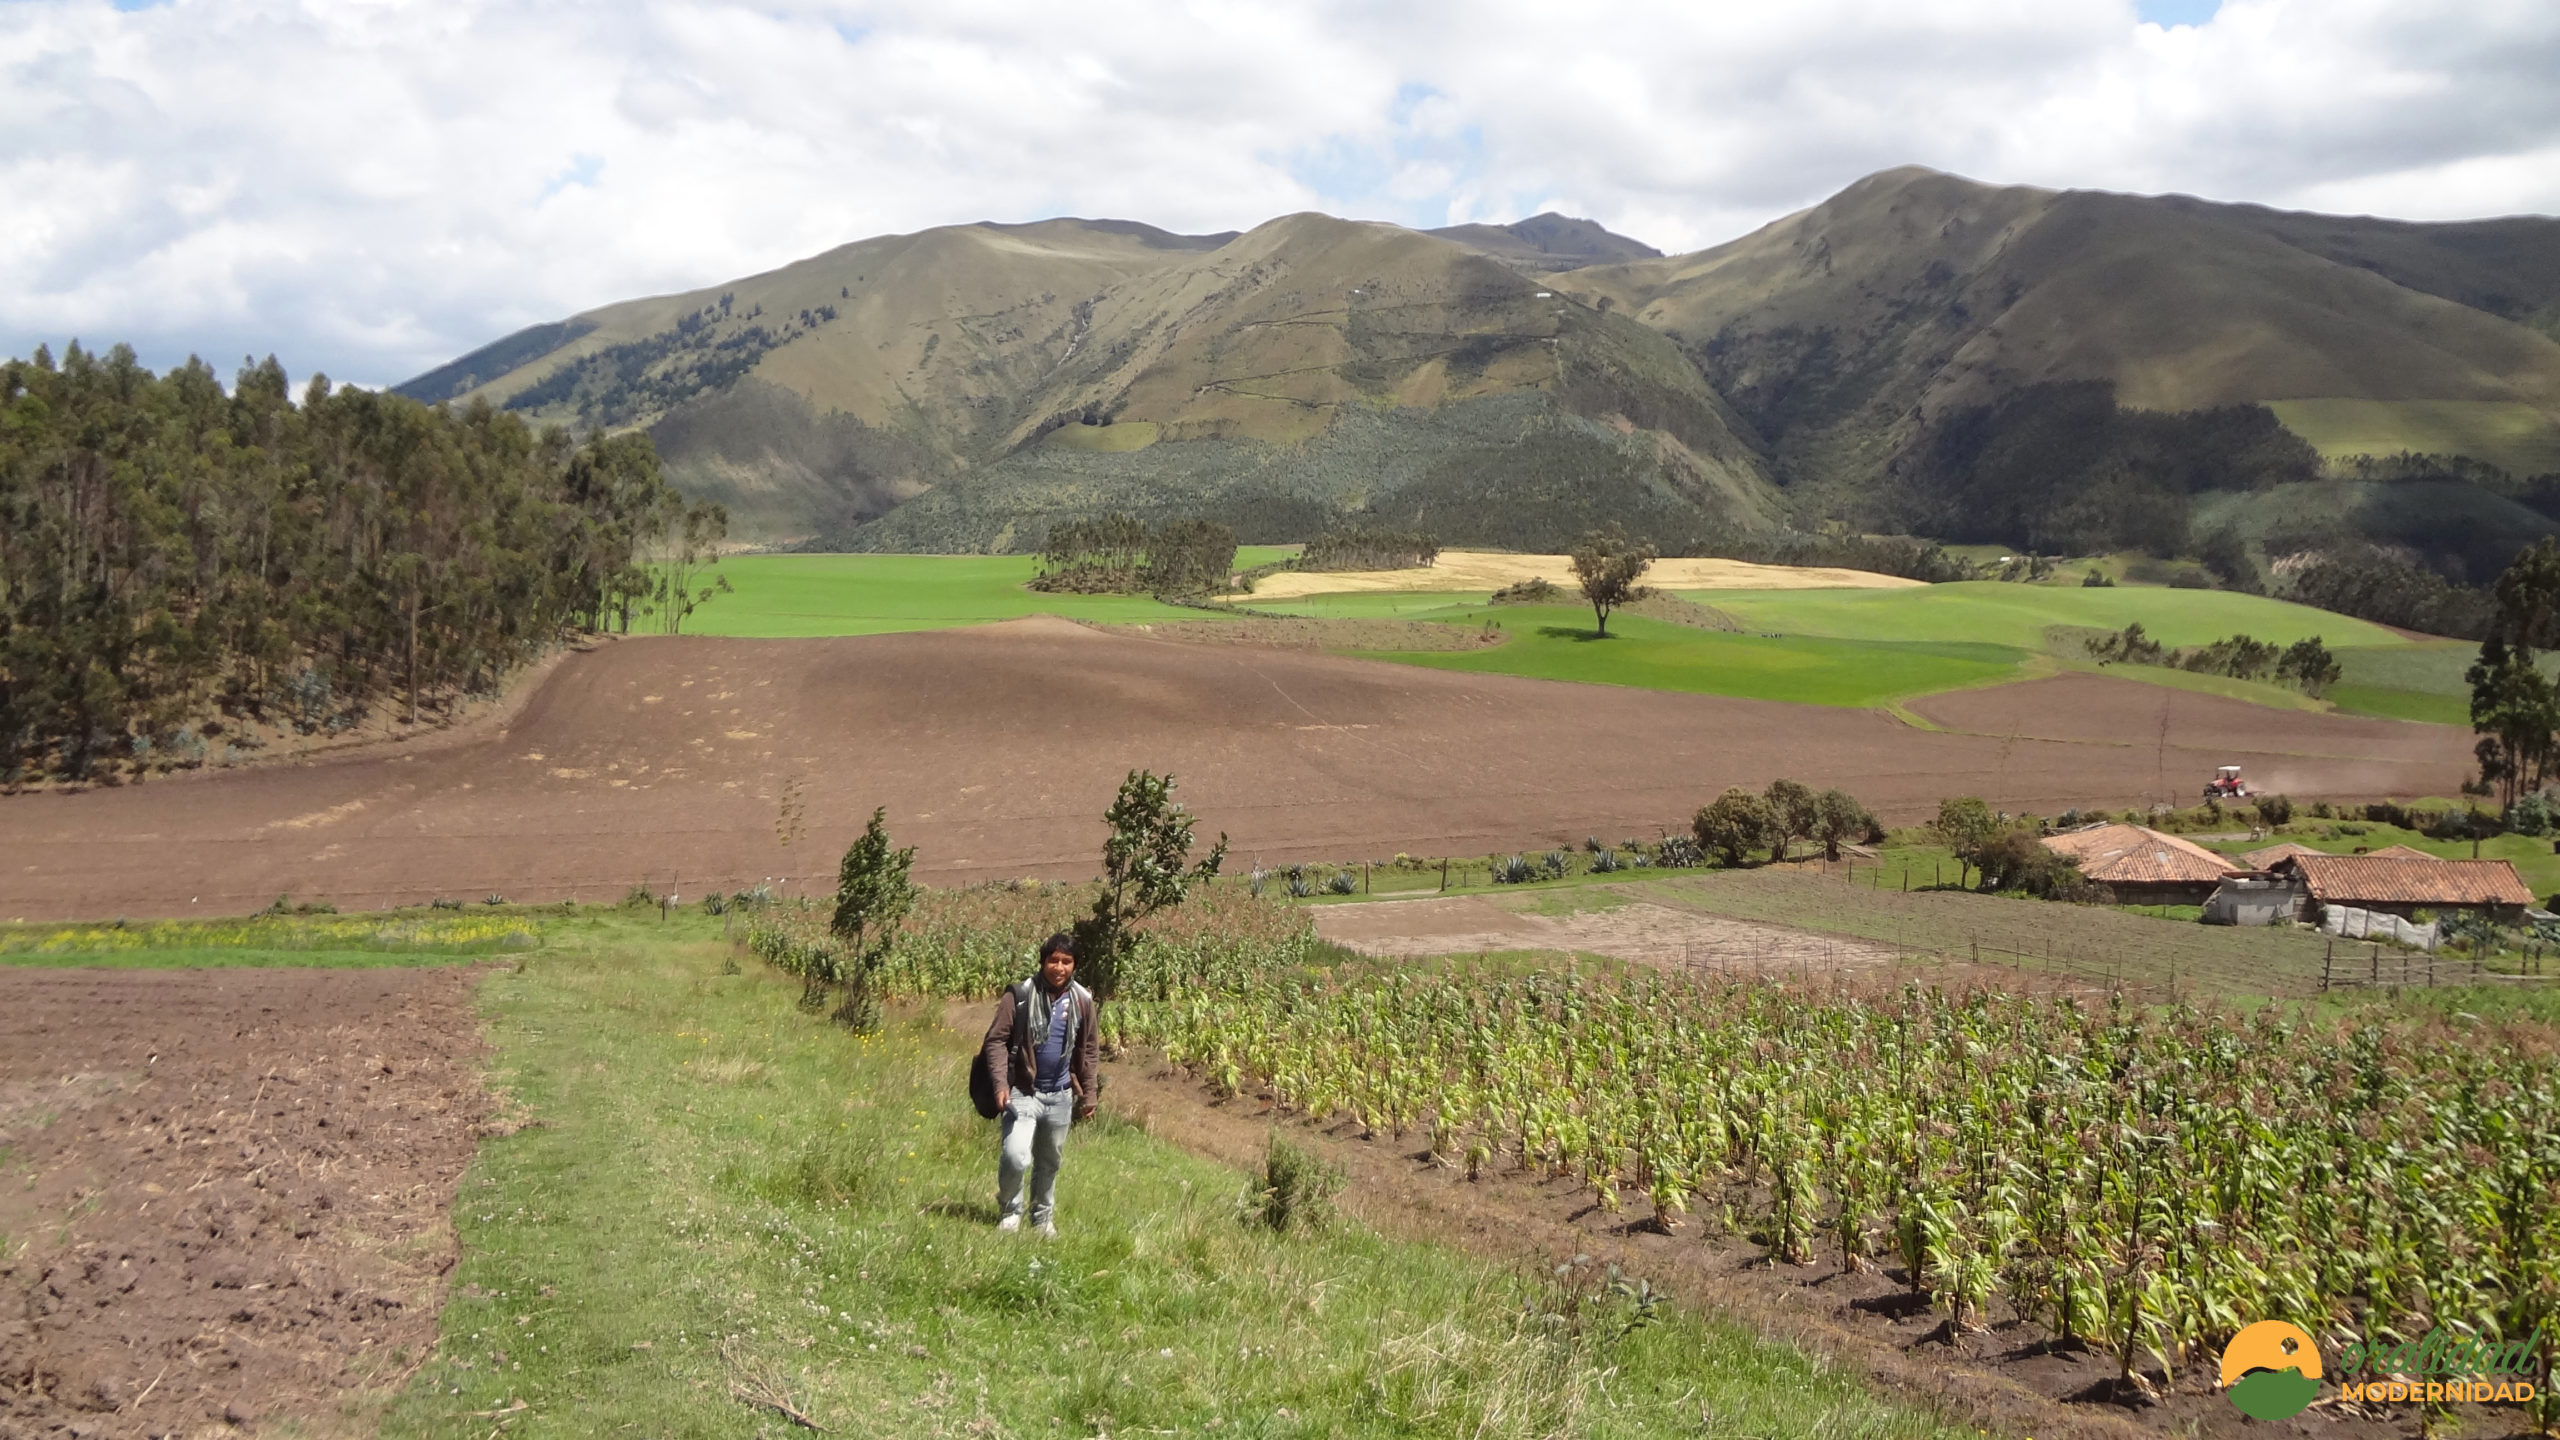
(2254, 900)
(2401, 886)
(2142, 865)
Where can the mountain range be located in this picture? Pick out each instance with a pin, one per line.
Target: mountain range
(2063, 369)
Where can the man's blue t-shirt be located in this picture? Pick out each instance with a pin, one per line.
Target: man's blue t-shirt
(1050, 1060)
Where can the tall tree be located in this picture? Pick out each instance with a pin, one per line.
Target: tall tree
(1609, 564)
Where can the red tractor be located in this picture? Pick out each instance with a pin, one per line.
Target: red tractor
(2226, 784)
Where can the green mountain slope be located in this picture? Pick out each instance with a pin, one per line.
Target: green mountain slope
(1842, 330)
(1019, 373)
(2031, 367)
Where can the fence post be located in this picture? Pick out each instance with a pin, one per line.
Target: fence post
(1444, 873)
(1364, 877)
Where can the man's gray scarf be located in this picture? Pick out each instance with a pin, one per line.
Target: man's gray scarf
(1038, 1014)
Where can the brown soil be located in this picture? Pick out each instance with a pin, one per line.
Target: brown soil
(2008, 1379)
(1637, 931)
(227, 1193)
(697, 763)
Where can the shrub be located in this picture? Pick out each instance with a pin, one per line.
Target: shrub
(1679, 852)
(2275, 810)
(1297, 1188)
(715, 903)
(1536, 590)
(441, 903)
(640, 897)
(1792, 815)
(2530, 815)
(873, 895)
(1837, 815)
(1734, 826)
(2016, 860)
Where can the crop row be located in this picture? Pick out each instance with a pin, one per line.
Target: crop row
(2142, 1183)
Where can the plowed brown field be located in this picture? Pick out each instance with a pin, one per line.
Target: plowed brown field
(702, 763)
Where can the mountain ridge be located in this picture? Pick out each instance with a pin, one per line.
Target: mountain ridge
(1782, 379)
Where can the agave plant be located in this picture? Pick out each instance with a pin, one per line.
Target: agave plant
(1300, 887)
(1342, 883)
(1679, 852)
(1605, 862)
(1557, 864)
(1513, 870)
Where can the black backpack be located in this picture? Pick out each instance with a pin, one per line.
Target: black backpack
(982, 1081)
(982, 1086)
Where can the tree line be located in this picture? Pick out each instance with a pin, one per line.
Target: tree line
(175, 559)
(1123, 555)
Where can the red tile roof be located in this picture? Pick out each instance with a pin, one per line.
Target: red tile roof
(2401, 852)
(2267, 858)
(2122, 854)
(2396, 880)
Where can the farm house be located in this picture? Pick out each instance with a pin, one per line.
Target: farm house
(2143, 866)
(2402, 886)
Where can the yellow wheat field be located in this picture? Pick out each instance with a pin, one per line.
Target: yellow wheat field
(1466, 570)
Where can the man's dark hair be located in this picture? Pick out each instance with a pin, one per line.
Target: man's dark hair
(1061, 943)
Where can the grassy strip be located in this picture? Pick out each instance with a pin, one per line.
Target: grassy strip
(1558, 643)
(2018, 615)
(724, 1203)
(779, 596)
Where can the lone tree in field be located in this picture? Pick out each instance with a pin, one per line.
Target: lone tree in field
(1734, 826)
(1966, 825)
(1609, 565)
(873, 894)
(1143, 871)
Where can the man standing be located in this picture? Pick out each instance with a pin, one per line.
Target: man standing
(1042, 1050)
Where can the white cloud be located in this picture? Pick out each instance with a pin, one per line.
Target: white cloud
(371, 188)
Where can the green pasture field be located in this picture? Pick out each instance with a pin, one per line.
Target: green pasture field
(1868, 647)
(721, 1197)
(802, 596)
(1992, 612)
(1558, 643)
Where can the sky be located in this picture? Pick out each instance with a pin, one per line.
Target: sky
(371, 187)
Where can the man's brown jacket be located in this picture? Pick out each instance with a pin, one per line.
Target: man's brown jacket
(1008, 1046)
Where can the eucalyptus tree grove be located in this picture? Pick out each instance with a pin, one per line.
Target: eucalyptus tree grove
(174, 559)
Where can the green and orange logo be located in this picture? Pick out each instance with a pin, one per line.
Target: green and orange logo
(2271, 1370)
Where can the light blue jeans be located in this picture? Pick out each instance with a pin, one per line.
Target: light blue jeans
(1035, 1131)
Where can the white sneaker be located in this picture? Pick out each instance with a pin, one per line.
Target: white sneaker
(1008, 1224)
(1045, 1230)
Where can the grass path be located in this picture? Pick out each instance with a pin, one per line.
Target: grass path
(716, 1192)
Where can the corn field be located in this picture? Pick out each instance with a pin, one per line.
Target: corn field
(2142, 1181)
(975, 941)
